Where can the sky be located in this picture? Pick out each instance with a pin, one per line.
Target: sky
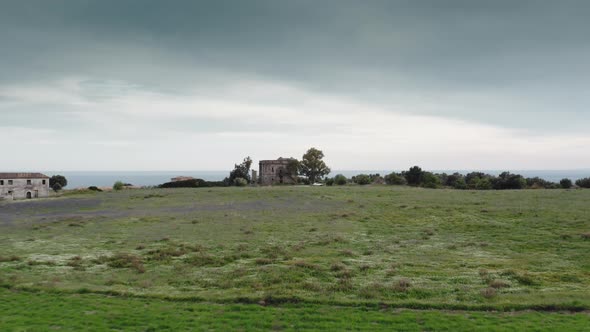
(375, 84)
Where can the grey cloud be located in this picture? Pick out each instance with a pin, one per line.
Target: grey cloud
(531, 56)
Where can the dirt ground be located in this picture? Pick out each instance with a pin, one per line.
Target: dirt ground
(57, 209)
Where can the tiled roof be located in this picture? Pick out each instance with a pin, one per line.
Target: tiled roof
(23, 176)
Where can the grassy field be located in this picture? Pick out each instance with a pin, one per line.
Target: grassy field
(298, 258)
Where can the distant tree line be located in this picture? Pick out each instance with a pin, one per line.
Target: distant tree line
(417, 177)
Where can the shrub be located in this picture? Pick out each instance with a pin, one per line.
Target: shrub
(460, 184)
(483, 184)
(337, 267)
(263, 261)
(488, 293)
(497, 284)
(451, 180)
(395, 179)
(507, 180)
(118, 185)
(240, 182)
(340, 180)
(12, 258)
(538, 183)
(566, 183)
(402, 285)
(94, 188)
(362, 179)
(583, 183)
(124, 260)
(430, 180)
(329, 181)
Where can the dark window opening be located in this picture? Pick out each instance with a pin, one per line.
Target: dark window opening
(29, 182)
(1, 182)
(44, 181)
(9, 182)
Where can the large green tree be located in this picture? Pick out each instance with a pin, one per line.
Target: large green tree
(57, 182)
(241, 171)
(312, 165)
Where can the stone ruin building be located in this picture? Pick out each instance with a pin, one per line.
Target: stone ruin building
(23, 185)
(272, 172)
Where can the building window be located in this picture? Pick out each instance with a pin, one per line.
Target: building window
(28, 182)
(1, 182)
(10, 182)
(44, 181)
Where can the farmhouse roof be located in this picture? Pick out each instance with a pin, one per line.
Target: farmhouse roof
(23, 176)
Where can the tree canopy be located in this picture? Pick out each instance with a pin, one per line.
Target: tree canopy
(242, 171)
(313, 166)
(58, 182)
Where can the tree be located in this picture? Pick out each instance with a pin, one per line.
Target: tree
(460, 184)
(430, 180)
(240, 171)
(414, 176)
(507, 180)
(452, 180)
(362, 179)
(566, 183)
(583, 183)
(57, 182)
(340, 180)
(313, 166)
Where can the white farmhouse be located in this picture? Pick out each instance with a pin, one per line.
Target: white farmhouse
(23, 185)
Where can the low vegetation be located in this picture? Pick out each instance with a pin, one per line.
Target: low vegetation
(279, 252)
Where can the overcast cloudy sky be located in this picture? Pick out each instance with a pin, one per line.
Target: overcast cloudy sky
(197, 85)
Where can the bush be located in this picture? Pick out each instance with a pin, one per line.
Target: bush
(460, 184)
(125, 260)
(488, 293)
(583, 183)
(118, 185)
(507, 180)
(451, 180)
(94, 188)
(395, 179)
(538, 183)
(329, 181)
(483, 184)
(362, 179)
(566, 183)
(430, 180)
(240, 182)
(340, 180)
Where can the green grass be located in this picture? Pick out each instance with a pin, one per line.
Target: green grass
(24, 311)
(346, 247)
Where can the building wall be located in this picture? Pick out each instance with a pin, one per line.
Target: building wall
(20, 188)
(274, 172)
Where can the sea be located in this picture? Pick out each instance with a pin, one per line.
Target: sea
(84, 179)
